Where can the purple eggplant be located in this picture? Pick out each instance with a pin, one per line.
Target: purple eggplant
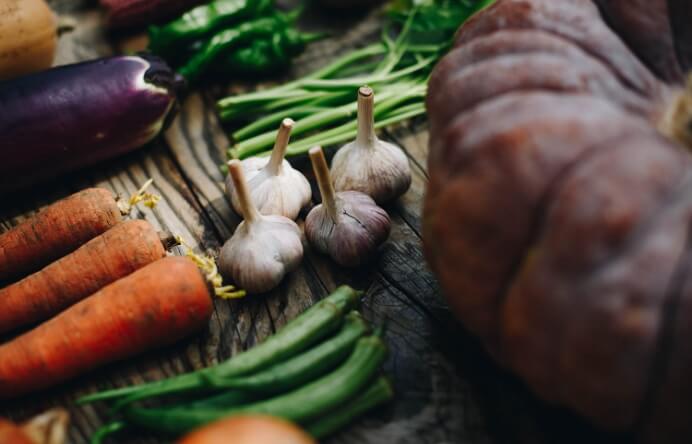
(72, 116)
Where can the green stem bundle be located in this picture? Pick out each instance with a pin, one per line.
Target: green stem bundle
(300, 405)
(323, 103)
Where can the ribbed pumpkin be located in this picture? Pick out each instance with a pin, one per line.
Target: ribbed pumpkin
(558, 217)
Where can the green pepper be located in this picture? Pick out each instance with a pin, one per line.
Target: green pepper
(228, 40)
(203, 21)
(267, 55)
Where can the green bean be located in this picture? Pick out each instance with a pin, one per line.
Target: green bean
(263, 141)
(227, 399)
(107, 430)
(301, 405)
(355, 82)
(296, 113)
(287, 375)
(348, 132)
(258, 97)
(378, 393)
(382, 108)
(302, 368)
(298, 335)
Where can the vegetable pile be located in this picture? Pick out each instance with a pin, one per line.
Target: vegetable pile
(230, 38)
(102, 288)
(321, 371)
(155, 306)
(348, 226)
(120, 251)
(558, 211)
(91, 288)
(397, 68)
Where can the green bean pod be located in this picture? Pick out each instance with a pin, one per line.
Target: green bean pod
(287, 375)
(267, 56)
(304, 367)
(378, 393)
(302, 405)
(226, 41)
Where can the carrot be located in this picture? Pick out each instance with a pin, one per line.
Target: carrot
(116, 253)
(154, 306)
(11, 433)
(56, 231)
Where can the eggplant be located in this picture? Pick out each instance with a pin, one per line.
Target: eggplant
(72, 116)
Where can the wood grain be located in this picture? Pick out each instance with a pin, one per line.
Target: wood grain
(448, 390)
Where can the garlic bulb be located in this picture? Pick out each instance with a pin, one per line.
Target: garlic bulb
(369, 165)
(348, 226)
(275, 186)
(263, 248)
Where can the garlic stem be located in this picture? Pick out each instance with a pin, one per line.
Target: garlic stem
(279, 152)
(250, 213)
(366, 119)
(324, 181)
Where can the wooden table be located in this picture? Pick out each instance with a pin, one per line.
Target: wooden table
(447, 389)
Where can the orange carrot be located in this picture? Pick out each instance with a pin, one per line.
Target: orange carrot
(154, 306)
(116, 253)
(11, 433)
(56, 231)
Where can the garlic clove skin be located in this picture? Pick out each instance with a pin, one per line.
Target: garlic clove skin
(263, 249)
(284, 194)
(369, 165)
(347, 226)
(275, 187)
(381, 170)
(361, 226)
(260, 253)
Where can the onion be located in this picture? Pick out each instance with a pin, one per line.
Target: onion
(28, 37)
(249, 430)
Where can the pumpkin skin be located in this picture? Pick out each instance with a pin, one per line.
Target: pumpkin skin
(558, 214)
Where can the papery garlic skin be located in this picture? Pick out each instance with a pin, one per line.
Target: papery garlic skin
(359, 229)
(381, 171)
(274, 186)
(283, 194)
(369, 165)
(260, 253)
(263, 249)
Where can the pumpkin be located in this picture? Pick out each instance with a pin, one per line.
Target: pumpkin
(558, 216)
